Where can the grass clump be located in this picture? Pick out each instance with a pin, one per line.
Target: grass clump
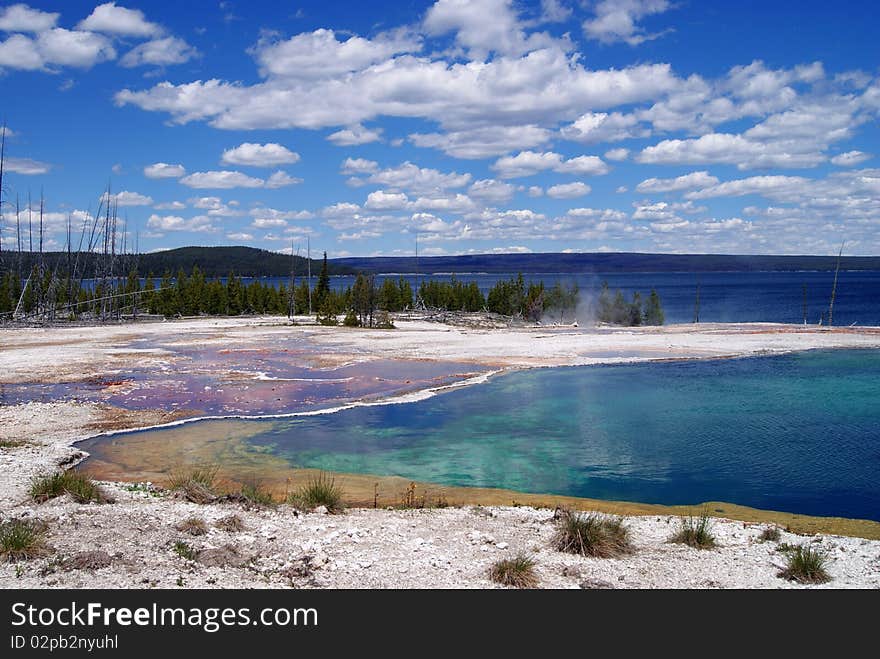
(230, 523)
(770, 534)
(79, 486)
(195, 483)
(183, 550)
(594, 534)
(518, 572)
(320, 491)
(695, 532)
(204, 475)
(411, 500)
(11, 443)
(193, 526)
(21, 540)
(255, 495)
(806, 565)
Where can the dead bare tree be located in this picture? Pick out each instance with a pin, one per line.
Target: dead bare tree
(18, 233)
(834, 287)
(2, 164)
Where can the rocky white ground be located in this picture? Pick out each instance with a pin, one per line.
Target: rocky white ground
(448, 548)
(61, 354)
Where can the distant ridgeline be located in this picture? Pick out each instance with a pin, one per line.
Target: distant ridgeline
(604, 263)
(212, 261)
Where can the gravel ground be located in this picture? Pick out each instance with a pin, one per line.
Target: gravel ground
(132, 544)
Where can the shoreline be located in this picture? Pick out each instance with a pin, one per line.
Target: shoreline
(53, 429)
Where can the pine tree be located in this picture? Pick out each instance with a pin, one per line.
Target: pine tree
(6, 293)
(635, 311)
(404, 294)
(389, 296)
(233, 295)
(166, 296)
(149, 296)
(323, 286)
(653, 310)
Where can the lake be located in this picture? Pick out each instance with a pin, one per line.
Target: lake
(724, 296)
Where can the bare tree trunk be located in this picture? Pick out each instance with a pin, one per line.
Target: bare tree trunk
(805, 303)
(30, 228)
(309, 259)
(834, 288)
(2, 163)
(18, 234)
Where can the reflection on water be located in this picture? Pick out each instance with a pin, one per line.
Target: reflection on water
(799, 433)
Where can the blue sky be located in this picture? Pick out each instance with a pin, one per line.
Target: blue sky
(488, 125)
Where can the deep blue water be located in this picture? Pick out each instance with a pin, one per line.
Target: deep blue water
(797, 433)
(724, 296)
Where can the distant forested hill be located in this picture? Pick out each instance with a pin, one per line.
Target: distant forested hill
(213, 261)
(244, 261)
(610, 262)
(250, 262)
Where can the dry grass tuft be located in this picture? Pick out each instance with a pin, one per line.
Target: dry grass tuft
(518, 572)
(593, 534)
(193, 526)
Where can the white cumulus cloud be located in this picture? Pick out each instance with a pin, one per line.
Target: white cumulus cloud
(686, 182)
(112, 19)
(568, 190)
(527, 163)
(221, 180)
(850, 158)
(617, 20)
(355, 135)
(259, 155)
(164, 170)
(159, 52)
(21, 18)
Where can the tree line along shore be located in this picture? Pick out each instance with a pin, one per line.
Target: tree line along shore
(55, 296)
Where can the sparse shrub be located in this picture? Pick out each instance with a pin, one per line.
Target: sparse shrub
(784, 547)
(193, 526)
(597, 535)
(47, 486)
(806, 565)
(204, 475)
(87, 560)
(79, 486)
(351, 319)
(183, 550)
(224, 556)
(255, 495)
(410, 500)
(383, 320)
(770, 534)
(230, 523)
(21, 540)
(518, 572)
(144, 488)
(195, 483)
(11, 443)
(319, 491)
(695, 532)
